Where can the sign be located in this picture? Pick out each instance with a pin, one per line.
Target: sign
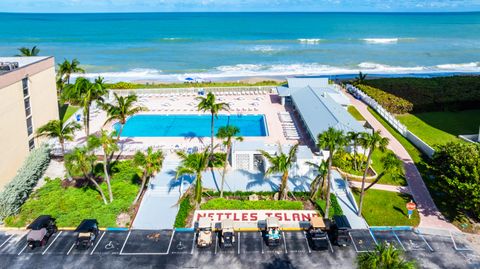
(411, 206)
(284, 216)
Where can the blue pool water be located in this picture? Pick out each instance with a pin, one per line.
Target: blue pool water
(190, 125)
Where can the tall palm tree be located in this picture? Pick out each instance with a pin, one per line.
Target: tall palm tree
(121, 109)
(84, 93)
(281, 163)
(360, 79)
(26, 52)
(384, 257)
(227, 133)
(332, 140)
(354, 137)
(317, 184)
(67, 68)
(209, 104)
(194, 164)
(391, 166)
(107, 143)
(82, 161)
(150, 162)
(59, 130)
(373, 141)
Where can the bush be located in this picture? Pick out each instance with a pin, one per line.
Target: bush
(225, 204)
(335, 209)
(390, 102)
(183, 212)
(18, 190)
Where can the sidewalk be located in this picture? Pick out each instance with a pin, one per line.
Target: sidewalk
(430, 217)
(382, 187)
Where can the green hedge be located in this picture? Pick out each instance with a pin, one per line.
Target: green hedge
(433, 94)
(225, 204)
(18, 190)
(335, 208)
(130, 86)
(184, 210)
(390, 102)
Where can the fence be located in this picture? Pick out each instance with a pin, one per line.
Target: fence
(193, 90)
(396, 124)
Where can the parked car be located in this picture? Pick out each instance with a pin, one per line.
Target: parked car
(87, 233)
(317, 234)
(228, 234)
(204, 232)
(41, 230)
(272, 233)
(341, 228)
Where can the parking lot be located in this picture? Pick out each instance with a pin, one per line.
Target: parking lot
(294, 245)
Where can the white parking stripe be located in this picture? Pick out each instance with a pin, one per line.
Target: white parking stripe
(284, 243)
(261, 241)
(169, 244)
(124, 243)
(193, 243)
(43, 253)
(399, 240)
(353, 241)
(216, 242)
(70, 249)
(96, 245)
(306, 241)
(6, 241)
(329, 244)
(425, 240)
(23, 249)
(239, 240)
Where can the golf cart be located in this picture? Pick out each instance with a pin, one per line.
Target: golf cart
(273, 232)
(228, 234)
(317, 236)
(41, 230)
(341, 230)
(204, 232)
(87, 233)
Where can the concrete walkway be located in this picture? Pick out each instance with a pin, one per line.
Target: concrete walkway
(382, 187)
(430, 216)
(347, 201)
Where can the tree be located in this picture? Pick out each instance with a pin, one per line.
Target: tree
(227, 133)
(121, 109)
(26, 52)
(194, 164)
(67, 68)
(82, 161)
(360, 79)
(373, 142)
(209, 104)
(384, 257)
(317, 184)
(391, 165)
(107, 143)
(456, 167)
(355, 138)
(332, 140)
(84, 93)
(59, 130)
(150, 162)
(281, 163)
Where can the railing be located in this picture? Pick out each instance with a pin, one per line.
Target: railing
(195, 90)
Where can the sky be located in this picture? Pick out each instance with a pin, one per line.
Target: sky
(80, 6)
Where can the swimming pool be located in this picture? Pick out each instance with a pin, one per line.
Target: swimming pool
(190, 125)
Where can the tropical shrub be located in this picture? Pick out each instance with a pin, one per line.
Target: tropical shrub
(184, 210)
(335, 210)
(225, 204)
(18, 190)
(456, 167)
(390, 102)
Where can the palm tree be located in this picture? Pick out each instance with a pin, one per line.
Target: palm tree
(123, 108)
(194, 164)
(384, 257)
(108, 144)
(26, 52)
(391, 165)
(227, 133)
(360, 79)
(67, 68)
(332, 140)
(281, 163)
(82, 161)
(317, 184)
(150, 162)
(59, 130)
(373, 141)
(209, 104)
(354, 137)
(84, 93)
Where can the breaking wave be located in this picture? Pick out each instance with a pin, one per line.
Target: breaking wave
(309, 41)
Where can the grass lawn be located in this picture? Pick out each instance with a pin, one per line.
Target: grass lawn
(226, 204)
(71, 205)
(442, 127)
(354, 112)
(66, 111)
(384, 208)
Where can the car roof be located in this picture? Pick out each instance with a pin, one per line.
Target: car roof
(342, 222)
(317, 222)
(273, 222)
(40, 222)
(227, 223)
(204, 222)
(86, 225)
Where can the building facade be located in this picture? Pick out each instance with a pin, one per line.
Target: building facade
(28, 100)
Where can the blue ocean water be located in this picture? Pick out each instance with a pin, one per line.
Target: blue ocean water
(190, 125)
(171, 46)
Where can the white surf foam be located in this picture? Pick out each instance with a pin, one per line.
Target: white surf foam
(309, 41)
(265, 49)
(464, 66)
(381, 40)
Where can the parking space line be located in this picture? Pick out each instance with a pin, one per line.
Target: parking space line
(373, 236)
(306, 241)
(96, 245)
(398, 239)
(43, 253)
(329, 244)
(239, 240)
(425, 240)
(284, 242)
(216, 243)
(193, 243)
(169, 244)
(125, 242)
(261, 241)
(6, 241)
(71, 248)
(353, 241)
(26, 245)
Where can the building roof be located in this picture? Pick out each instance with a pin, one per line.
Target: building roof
(22, 61)
(320, 111)
(299, 82)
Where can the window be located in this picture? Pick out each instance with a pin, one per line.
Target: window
(29, 126)
(31, 144)
(28, 110)
(25, 87)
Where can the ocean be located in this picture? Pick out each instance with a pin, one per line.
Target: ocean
(215, 46)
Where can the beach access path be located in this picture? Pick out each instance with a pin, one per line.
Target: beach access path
(430, 216)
